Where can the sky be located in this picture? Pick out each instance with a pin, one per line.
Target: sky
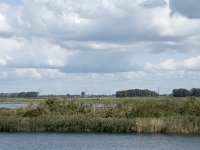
(99, 46)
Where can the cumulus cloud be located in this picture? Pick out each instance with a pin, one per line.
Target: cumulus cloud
(192, 63)
(99, 40)
(38, 74)
(38, 53)
(29, 72)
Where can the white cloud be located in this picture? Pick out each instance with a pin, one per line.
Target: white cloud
(5, 27)
(133, 75)
(52, 73)
(36, 73)
(4, 59)
(3, 62)
(37, 53)
(28, 72)
(192, 63)
(129, 41)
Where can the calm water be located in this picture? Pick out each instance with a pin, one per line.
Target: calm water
(13, 105)
(53, 141)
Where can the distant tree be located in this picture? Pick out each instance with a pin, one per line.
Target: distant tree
(31, 94)
(195, 92)
(181, 92)
(83, 94)
(21, 94)
(136, 93)
(68, 95)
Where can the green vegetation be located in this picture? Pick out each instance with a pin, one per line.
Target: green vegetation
(195, 92)
(181, 92)
(136, 93)
(185, 93)
(20, 95)
(131, 115)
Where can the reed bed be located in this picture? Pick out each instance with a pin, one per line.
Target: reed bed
(114, 116)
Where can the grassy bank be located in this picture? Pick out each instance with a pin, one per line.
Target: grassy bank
(179, 116)
(175, 125)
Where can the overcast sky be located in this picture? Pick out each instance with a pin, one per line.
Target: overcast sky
(99, 46)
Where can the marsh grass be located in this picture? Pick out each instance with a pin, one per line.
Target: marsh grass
(174, 116)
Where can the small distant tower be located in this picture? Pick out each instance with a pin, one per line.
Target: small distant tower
(158, 91)
(39, 90)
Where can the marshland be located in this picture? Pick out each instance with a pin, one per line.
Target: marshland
(166, 115)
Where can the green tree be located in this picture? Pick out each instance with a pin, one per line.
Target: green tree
(195, 92)
(181, 92)
(83, 94)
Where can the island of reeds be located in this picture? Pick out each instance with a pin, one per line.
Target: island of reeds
(167, 115)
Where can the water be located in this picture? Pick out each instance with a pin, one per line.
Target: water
(13, 105)
(55, 141)
(103, 106)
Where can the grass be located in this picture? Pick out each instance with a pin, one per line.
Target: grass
(131, 115)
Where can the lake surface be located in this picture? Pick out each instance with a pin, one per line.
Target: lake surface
(70, 141)
(13, 105)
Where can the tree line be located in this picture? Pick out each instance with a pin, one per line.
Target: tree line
(136, 93)
(19, 95)
(185, 92)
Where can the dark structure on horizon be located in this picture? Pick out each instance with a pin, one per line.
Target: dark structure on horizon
(185, 92)
(20, 95)
(136, 93)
